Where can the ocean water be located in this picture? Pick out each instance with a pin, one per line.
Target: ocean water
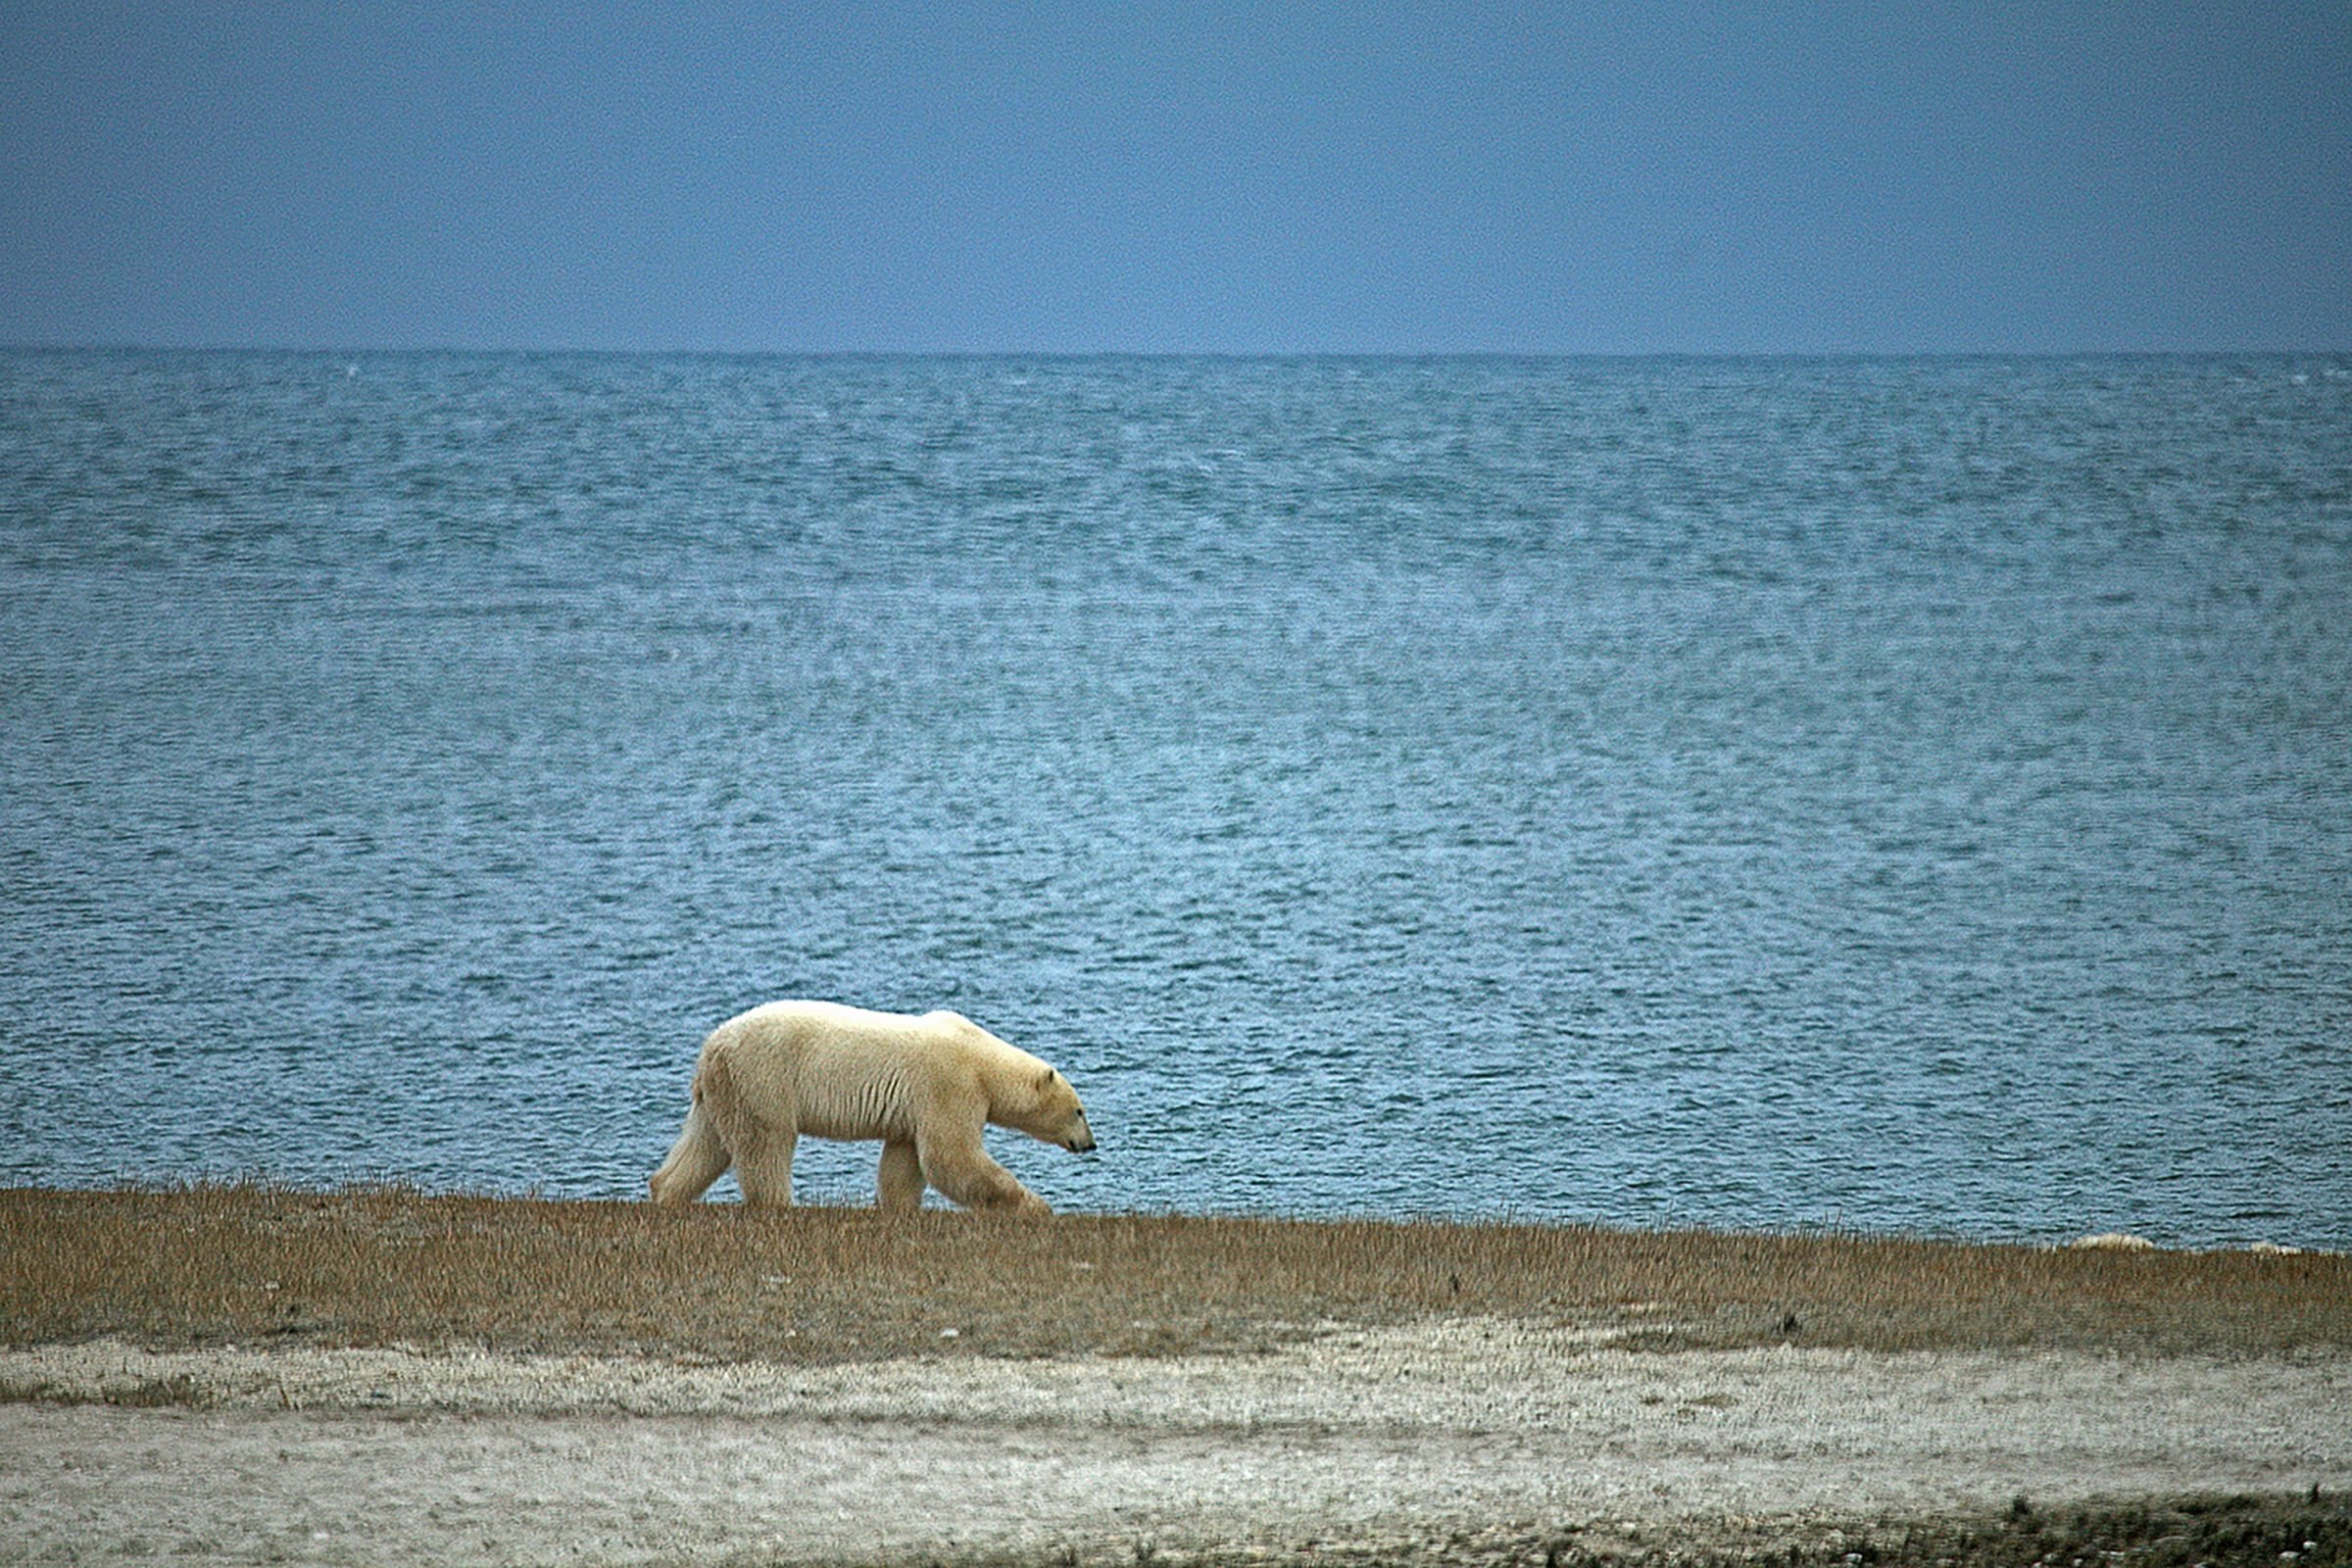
(1902, 796)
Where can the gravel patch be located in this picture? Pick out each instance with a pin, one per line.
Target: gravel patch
(1390, 1441)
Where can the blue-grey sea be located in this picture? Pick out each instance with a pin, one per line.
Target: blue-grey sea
(1905, 795)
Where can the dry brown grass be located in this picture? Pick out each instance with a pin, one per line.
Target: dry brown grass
(370, 1267)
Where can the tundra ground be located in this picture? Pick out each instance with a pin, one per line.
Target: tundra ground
(242, 1374)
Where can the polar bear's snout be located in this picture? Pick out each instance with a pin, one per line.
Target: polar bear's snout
(1084, 1142)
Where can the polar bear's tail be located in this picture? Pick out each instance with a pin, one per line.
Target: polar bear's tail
(696, 1160)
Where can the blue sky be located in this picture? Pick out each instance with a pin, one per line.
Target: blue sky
(1194, 176)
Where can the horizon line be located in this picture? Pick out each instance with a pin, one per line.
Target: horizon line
(519, 350)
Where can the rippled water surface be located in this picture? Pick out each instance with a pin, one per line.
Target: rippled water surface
(1902, 796)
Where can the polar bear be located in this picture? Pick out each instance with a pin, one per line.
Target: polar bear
(924, 1084)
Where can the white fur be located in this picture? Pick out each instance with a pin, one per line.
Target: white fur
(924, 1086)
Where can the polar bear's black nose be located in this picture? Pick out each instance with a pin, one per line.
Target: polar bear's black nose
(1082, 1146)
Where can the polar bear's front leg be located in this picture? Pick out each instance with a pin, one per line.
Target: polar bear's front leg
(959, 1167)
(900, 1183)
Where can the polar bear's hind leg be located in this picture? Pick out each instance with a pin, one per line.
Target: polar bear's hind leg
(695, 1161)
(763, 1166)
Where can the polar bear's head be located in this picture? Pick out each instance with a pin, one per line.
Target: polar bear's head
(1053, 1113)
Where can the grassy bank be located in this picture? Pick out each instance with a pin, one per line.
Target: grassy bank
(369, 1267)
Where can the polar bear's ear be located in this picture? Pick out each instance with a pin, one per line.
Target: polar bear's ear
(1044, 1080)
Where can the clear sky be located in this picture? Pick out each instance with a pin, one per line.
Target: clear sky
(1194, 175)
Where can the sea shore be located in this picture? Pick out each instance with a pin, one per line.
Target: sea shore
(252, 1375)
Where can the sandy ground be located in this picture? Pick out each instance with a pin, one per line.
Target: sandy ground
(1456, 1439)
